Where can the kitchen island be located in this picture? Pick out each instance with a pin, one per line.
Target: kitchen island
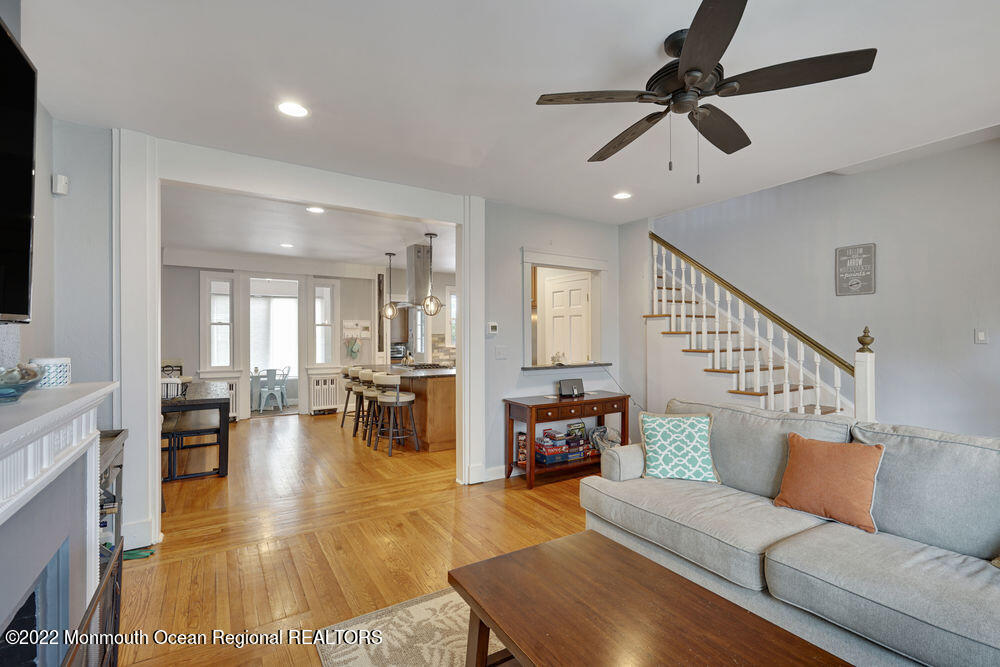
(434, 407)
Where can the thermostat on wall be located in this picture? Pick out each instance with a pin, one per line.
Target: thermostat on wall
(492, 328)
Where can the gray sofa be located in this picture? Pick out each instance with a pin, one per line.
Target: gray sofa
(921, 589)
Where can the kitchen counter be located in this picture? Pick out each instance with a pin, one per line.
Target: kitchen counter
(434, 407)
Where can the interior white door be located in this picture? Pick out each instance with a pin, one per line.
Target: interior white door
(566, 313)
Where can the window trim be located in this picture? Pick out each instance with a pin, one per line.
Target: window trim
(312, 284)
(205, 324)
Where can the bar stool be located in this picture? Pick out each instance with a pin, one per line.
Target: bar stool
(358, 389)
(391, 401)
(345, 373)
(369, 394)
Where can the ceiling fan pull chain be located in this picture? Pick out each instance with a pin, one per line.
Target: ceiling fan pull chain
(670, 143)
(697, 179)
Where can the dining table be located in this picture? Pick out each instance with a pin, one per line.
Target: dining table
(202, 409)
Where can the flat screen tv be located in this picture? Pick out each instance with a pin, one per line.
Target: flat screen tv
(17, 178)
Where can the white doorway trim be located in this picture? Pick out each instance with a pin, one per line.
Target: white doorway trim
(143, 162)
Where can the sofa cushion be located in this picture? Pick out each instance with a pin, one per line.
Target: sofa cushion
(834, 480)
(937, 488)
(722, 529)
(749, 446)
(930, 604)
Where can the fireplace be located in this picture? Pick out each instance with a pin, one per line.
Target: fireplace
(41, 618)
(49, 514)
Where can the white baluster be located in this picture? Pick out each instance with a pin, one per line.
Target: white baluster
(729, 332)
(716, 362)
(770, 365)
(817, 409)
(756, 351)
(694, 308)
(802, 371)
(704, 313)
(743, 344)
(680, 323)
(836, 385)
(660, 293)
(673, 292)
(787, 363)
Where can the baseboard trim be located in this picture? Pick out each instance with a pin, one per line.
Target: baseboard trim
(139, 534)
(497, 472)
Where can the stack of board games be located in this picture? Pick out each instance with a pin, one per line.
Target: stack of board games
(556, 447)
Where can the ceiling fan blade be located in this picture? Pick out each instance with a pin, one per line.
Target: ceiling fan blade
(722, 131)
(596, 97)
(634, 131)
(711, 30)
(802, 72)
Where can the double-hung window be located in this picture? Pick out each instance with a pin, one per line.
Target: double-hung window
(217, 320)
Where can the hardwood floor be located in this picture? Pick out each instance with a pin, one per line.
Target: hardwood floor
(311, 528)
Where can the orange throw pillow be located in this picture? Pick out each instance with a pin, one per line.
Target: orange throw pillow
(833, 480)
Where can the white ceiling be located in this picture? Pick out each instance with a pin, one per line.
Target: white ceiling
(441, 93)
(194, 217)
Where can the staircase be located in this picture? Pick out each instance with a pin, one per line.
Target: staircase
(767, 361)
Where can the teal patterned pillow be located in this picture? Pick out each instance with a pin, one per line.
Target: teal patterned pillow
(676, 446)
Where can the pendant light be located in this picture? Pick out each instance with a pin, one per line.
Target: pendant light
(389, 310)
(431, 304)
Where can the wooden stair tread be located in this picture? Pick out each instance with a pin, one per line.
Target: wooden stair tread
(736, 372)
(697, 303)
(735, 349)
(688, 333)
(823, 409)
(778, 389)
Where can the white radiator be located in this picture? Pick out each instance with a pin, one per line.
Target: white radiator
(233, 389)
(322, 392)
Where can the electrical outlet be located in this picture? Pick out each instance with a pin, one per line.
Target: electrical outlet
(981, 337)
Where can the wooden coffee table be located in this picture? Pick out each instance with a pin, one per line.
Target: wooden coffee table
(587, 600)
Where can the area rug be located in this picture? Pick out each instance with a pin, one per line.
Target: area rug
(429, 630)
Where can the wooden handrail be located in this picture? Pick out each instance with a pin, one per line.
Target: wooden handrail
(793, 330)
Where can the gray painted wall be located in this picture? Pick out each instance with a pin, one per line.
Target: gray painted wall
(83, 255)
(633, 242)
(935, 224)
(38, 337)
(508, 229)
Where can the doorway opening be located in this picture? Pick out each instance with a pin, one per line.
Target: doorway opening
(274, 346)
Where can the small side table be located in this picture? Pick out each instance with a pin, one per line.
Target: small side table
(533, 410)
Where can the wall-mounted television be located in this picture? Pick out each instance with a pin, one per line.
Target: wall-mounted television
(17, 177)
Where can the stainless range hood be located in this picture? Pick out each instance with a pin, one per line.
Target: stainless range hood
(418, 264)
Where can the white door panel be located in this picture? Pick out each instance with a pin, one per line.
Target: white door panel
(566, 319)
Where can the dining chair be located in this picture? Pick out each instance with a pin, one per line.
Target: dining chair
(269, 387)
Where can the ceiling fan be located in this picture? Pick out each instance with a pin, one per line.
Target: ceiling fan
(696, 73)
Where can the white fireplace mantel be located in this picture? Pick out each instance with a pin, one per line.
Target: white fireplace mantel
(41, 436)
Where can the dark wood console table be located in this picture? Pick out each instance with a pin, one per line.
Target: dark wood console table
(533, 410)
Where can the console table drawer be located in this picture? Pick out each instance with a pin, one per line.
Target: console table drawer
(571, 412)
(616, 405)
(594, 409)
(547, 415)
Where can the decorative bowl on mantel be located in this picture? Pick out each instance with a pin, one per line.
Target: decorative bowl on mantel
(16, 381)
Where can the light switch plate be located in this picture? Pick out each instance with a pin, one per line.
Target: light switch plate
(982, 337)
(500, 351)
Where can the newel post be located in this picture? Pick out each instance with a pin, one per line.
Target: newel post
(864, 379)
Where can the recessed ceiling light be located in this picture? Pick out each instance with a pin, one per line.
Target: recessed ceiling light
(623, 195)
(293, 109)
(315, 209)
(287, 245)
